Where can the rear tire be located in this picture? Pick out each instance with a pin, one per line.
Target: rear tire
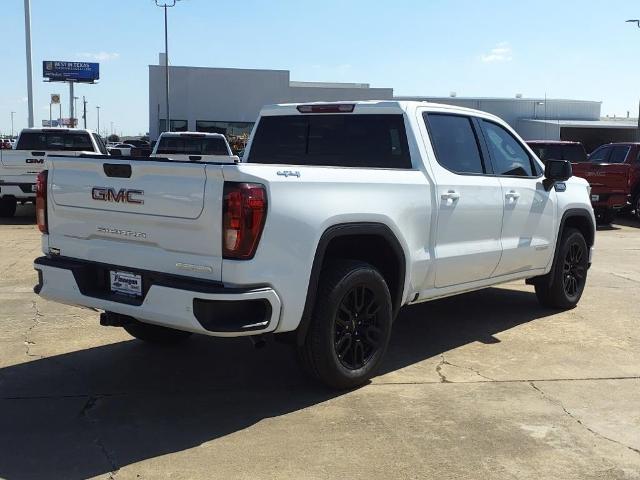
(606, 217)
(563, 286)
(350, 325)
(8, 207)
(155, 334)
(635, 204)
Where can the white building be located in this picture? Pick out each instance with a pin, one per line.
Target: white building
(227, 100)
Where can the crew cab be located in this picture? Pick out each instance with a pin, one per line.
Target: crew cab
(193, 146)
(613, 171)
(338, 216)
(19, 167)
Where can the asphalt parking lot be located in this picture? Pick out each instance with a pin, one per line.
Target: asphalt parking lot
(487, 385)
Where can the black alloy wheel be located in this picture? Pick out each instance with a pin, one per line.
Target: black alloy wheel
(574, 270)
(350, 327)
(357, 334)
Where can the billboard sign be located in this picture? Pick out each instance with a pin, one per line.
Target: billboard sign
(83, 72)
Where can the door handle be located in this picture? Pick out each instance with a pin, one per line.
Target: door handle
(450, 196)
(512, 196)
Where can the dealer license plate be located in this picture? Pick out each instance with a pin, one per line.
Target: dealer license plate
(126, 283)
(595, 198)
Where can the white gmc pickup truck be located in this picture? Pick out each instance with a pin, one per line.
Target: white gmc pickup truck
(339, 215)
(19, 167)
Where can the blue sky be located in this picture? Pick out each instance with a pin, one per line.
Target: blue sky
(564, 49)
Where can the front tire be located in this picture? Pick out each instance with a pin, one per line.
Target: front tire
(8, 207)
(563, 286)
(350, 325)
(155, 334)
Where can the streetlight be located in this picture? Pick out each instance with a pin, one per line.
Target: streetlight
(12, 114)
(98, 109)
(166, 4)
(634, 21)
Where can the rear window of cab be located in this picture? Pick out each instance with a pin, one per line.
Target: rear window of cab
(340, 140)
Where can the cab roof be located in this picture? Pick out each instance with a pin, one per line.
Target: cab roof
(368, 107)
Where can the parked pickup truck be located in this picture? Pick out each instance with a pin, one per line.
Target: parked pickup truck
(194, 147)
(339, 215)
(19, 167)
(574, 152)
(614, 174)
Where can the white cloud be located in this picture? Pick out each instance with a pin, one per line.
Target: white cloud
(500, 53)
(100, 56)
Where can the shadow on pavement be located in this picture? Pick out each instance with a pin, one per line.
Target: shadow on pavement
(627, 220)
(92, 411)
(25, 215)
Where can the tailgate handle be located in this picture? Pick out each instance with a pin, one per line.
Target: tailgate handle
(117, 170)
(38, 154)
(195, 158)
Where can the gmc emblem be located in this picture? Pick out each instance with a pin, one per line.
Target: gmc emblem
(34, 160)
(107, 194)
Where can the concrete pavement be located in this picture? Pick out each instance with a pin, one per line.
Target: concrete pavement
(486, 385)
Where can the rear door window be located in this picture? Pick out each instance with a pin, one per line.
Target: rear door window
(100, 143)
(455, 143)
(373, 141)
(192, 146)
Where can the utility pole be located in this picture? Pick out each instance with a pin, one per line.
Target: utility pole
(637, 22)
(12, 114)
(75, 108)
(27, 36)
(98, 109)
(84, 111)
(71, 100)
(165, 5)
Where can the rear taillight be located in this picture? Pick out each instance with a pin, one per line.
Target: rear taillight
(243, 214)
(41, 202)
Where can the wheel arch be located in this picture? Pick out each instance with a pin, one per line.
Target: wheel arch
(580, 219)
(367, 241)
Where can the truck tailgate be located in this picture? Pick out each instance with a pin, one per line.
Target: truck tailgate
(141, 214)
(22, 161)
(604, 177)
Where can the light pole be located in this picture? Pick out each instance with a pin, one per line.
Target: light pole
(98, 109)
(27, 38)
(12, 114)
(166, 4)
(637, 22)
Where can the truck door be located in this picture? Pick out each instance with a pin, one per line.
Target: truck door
(528, 233)
(469, 219)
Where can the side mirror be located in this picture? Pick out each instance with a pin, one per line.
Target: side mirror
(556, 171)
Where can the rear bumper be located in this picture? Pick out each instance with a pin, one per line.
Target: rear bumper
(176, 302)
(18, 190)
(610, 201)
